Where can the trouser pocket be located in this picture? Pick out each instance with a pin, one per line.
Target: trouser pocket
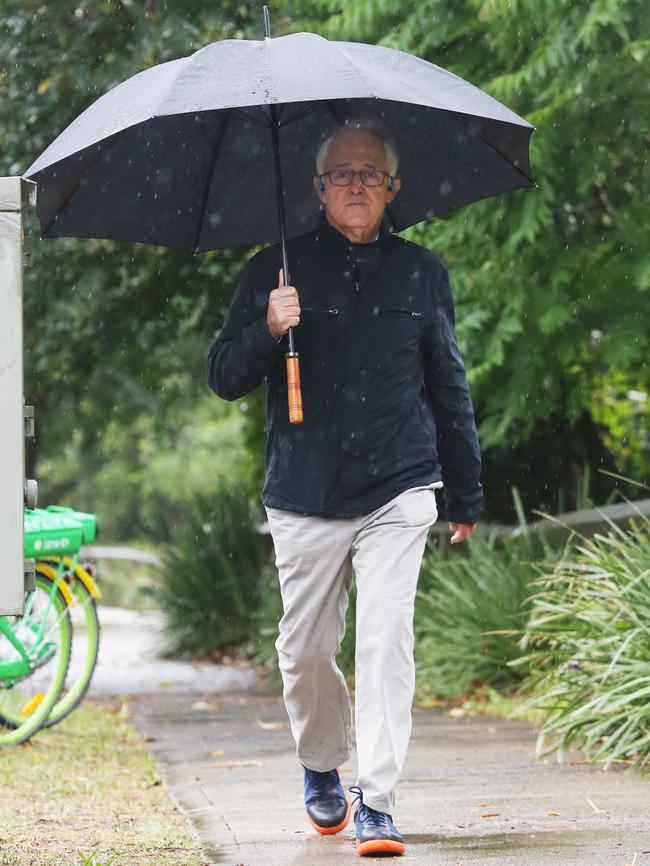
(418, 505)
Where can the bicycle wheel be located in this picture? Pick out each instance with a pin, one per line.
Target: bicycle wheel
(34, 656)
(85, 641)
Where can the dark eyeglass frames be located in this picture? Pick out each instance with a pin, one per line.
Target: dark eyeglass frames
(367, 176)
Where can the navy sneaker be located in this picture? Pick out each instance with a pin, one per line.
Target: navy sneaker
(327, 806)
(376, 833)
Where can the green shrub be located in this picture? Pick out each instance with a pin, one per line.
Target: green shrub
(211, 574)
(470, 612)
(588, 637)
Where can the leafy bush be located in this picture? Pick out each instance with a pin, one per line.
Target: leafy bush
(470, 612)
(589, 642)
(211, 574)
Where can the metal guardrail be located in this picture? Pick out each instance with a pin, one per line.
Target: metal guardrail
(129, 554)
(589, 520)
(586, 521)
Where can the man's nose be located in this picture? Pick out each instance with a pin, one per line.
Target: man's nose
(356, 183)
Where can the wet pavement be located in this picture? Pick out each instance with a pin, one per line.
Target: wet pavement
(472, 791)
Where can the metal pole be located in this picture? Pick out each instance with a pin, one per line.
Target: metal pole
(294, 392)
(275, 139)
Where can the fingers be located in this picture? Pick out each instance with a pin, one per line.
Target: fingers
(461, 531)
(285, 297)
(290, 290)
(283, 308)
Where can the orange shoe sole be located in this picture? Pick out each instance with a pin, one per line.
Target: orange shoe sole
(328, 831)
(380, 846)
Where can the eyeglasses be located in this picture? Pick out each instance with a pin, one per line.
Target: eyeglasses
(367, 176)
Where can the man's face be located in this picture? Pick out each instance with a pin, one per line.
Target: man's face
(356, 207)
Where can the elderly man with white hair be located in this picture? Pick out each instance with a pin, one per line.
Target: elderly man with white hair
(350, 492)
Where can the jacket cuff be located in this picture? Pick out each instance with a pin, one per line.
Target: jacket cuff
(259, 341)
(463, 512)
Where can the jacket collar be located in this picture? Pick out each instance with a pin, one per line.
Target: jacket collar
(331, 236)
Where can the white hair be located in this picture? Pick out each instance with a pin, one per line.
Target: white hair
(370, 126)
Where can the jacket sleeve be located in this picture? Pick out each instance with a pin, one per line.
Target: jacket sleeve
(245, 350)
(446, 386)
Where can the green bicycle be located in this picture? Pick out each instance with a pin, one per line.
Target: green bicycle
(38, 684)
(83, 612)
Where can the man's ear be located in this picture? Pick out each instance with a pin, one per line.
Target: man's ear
(397, 183)
(317, 187)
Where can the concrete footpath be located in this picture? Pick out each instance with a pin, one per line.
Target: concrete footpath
(471, 793)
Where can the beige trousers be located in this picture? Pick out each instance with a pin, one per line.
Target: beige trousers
(316, 558)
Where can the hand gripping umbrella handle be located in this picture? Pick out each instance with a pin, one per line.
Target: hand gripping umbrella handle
(294, 394)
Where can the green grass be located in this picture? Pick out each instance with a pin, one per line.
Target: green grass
(88, 787)
(93, 861)
(587, 649)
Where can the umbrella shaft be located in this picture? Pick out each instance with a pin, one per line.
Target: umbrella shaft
(275, 140)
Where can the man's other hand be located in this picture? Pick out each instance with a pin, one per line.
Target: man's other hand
(284, 308)
(461, 531)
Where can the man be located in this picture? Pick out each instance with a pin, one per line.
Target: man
(387, 419)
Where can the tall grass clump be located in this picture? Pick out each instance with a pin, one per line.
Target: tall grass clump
(470, 612)
(211, 575)
(588, 642)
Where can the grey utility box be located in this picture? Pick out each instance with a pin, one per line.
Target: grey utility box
(17, 197)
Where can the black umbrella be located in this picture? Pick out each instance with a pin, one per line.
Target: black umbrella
(218, 148)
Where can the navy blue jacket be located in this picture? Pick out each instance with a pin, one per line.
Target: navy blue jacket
(385, 396)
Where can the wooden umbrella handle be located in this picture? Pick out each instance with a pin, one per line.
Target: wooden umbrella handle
(294, 394)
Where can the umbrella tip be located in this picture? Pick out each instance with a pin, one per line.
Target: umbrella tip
(267, 22)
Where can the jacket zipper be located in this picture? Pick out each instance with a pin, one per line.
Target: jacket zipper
(414, 313)
(318, 310)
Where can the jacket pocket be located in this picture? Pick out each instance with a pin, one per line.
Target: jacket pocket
(400, 311)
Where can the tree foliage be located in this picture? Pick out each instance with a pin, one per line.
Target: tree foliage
(116, 335)
(551, 283)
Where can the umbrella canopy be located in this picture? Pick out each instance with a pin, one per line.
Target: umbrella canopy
(181, 154)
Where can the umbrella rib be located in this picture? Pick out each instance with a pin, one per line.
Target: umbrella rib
(239, 112)
(206, 193)
(101, 153)
(303, 112)
(352, 64)
(489, 144)
(336, 114)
